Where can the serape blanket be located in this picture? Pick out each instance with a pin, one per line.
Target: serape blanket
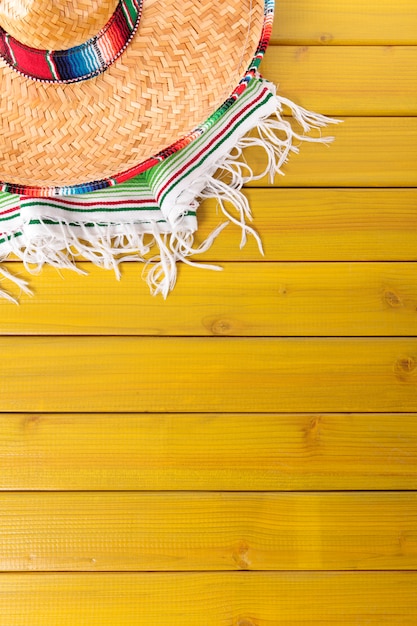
(153, 216)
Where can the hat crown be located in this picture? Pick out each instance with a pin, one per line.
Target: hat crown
(15, 9)
(54, 25)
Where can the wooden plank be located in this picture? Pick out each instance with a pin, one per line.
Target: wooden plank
(207, 531)
(192, 599)
(347, 22)
(195, 374)
(316, 224)
(248, 299)
(346, 80)
(367, 152)
(323, 225)
(208, 451)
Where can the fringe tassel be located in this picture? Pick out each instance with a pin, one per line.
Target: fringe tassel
(20, 282)
(59, 246)
(277, 137)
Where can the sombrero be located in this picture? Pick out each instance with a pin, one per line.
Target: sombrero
(96, 110)
(115, 116)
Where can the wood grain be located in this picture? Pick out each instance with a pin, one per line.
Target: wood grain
(291, 299)
(303, 224)
(232, 452)
(346, 22)
(346, 80)
(207, 531)
(195, 374)
(367, 152)
(238, 598)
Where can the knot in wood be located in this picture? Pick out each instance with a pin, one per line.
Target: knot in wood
(405, 367)
(240, 555)
(221, 327)
(392, 299)
(326, 38)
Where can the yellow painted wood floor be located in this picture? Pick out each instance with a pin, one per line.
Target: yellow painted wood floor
(244, 454)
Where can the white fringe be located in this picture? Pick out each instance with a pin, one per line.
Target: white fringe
(277, 137)
(59, 246)
(20, 282)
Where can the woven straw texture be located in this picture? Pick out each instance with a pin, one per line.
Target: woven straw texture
(54, 25)
(182, 64)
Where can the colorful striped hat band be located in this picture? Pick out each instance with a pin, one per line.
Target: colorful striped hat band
(78, 62)
(117, 118)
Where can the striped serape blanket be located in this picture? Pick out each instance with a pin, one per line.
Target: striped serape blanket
(153, 216)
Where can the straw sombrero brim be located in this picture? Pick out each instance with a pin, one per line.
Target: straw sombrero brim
(185, 60)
